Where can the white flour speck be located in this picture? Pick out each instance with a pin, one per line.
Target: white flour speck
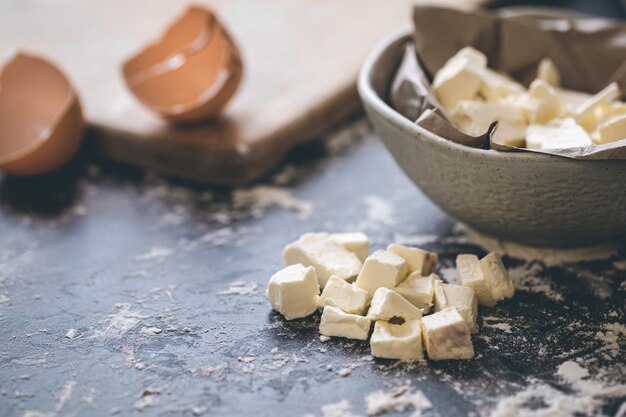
(241, 288)
(155, 253)
(379, 213)
(260, 198)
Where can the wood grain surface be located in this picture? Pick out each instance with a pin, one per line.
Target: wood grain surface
(301, 61)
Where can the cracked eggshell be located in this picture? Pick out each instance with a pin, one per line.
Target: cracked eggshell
(41, 121)
(190, 73)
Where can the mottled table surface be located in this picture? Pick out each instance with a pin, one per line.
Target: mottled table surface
(126, 293)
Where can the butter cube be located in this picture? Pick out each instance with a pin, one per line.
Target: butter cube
(460, 297)
(446, 336)
(561, 133)
(571, 100)
(475, 117)
(543, 104)
(335, 322)
(328, 258)
(548, 72)
(586, 112)
(611, 130)
(460, 77)
(387, 304)
(495, 85)
(346, 297)
(418, 290)
(497, 277)
(381, 269)
(355, 242)
(471, 275)
(294, 291)
(418, 260)
(397, 341)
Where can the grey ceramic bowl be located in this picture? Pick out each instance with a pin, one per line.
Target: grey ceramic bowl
(531, 198)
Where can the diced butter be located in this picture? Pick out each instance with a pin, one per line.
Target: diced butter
(418, 290)
(471, 275)
(561, 133)
(543, 104)
(397, 341)
(474, 118)
(460, 77)
(294, 291)
(495, 85)
(355, 242)
(381, 269)
(418, 260)
(346, 297)
(497, 277)
(548, 72)
(328, 258)
(585, 113)
(460, 297)
(335, 322)
(571, 100)
(387, 304)
(447, 336)
(611, 130)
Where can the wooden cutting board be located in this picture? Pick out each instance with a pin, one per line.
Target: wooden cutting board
(301, 61)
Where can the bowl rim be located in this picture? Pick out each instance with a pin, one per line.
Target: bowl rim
(371, 98)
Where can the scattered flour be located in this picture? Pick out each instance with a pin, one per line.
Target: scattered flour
(542, 400)
(156, 253)
(340, 409)
(65, 395)
(554, 404)
(529, 277)
(241, 288)
(261, 197)
(119, 323)
(71, 333)
(397, 400)
(379, 213)
(611, 336)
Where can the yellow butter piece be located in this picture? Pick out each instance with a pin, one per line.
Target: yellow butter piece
(345, 296)
(387, 304)
(475, 117)
(294, 291)
(327, 257)
(560, 134)
(548, 72)
(397, 341)
(542, 103)
(335, 322)
(589, 113)
(495, 85)
(446, 336)
(611, 130)
(381, 269)
(418, 260)
(460, 77)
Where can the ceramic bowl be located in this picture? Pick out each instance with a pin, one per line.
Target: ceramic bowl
(530, 198)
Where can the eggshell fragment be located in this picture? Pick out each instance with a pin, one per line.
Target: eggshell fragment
(191, 72)
(41, 121)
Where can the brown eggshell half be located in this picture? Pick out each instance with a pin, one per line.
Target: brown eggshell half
(191, 72)
(41, 122)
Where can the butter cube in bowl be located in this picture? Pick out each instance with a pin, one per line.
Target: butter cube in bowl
(529, 197)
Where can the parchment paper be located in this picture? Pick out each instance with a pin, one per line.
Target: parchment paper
(589, 52)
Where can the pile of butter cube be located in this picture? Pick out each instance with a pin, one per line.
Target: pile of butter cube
(396, 288)
(544, 116)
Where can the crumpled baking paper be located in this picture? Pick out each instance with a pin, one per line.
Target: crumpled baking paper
(589, 52)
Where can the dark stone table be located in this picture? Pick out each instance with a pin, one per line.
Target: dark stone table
(126, 293)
